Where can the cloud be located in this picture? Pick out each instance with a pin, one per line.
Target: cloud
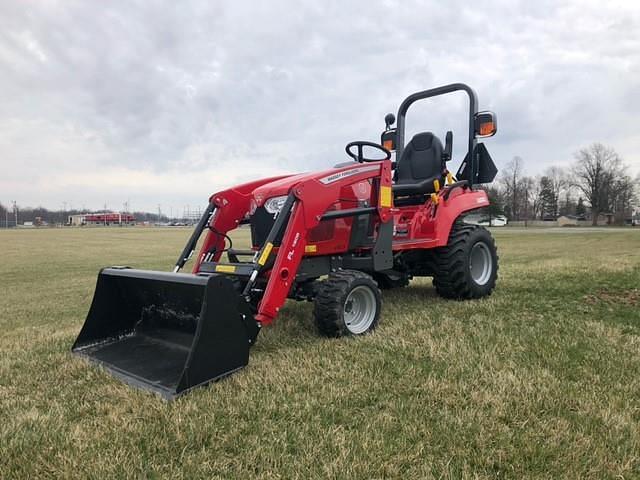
(167, 103)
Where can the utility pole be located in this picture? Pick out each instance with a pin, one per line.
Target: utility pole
(125, 210)
(15, 212)
(159, 214)
(526, 206)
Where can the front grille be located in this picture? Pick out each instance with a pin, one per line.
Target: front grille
(261, 224)
(262, 221)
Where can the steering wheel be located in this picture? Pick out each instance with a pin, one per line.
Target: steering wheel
(359, 158)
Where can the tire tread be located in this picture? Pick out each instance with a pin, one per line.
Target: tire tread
(450, 278)
(328, 304)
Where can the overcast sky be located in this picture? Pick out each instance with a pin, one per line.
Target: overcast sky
(104, 102)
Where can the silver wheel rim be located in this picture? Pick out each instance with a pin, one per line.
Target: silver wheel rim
(480, 263)
(359, 309)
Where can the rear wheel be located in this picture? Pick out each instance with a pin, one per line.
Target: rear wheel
(348, 303)
(468, 266)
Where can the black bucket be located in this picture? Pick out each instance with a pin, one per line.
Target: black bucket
(166, 332)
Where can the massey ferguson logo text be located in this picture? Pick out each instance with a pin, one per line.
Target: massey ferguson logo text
(347, 173)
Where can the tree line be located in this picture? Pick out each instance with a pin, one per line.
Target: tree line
(597, 184)
(60, 217)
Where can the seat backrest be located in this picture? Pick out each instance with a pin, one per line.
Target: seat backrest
(421, 159)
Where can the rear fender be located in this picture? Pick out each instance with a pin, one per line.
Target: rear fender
(460, 201)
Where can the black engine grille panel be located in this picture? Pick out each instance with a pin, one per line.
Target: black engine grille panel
(261, 224)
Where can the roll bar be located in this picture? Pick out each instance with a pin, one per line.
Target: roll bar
(434, 92)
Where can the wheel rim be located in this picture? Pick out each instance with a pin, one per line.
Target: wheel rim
(359, 309)
(480, 263)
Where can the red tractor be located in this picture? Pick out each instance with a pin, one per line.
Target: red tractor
(334, 237)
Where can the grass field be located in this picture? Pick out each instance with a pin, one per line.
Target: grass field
(541, 380)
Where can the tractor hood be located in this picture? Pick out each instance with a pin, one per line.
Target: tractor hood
(282, 186)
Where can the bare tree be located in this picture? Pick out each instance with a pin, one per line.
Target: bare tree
(622, 198)
(557, 179)
(594, 172)
(526, 187)
(511, 182)
(636, 191)
(536, 197)
(570, 206)
(4, 216)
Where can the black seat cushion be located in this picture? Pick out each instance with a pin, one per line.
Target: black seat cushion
(420, 164)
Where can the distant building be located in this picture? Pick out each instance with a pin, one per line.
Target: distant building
(567, 220)
(109, 218)
(486, 220)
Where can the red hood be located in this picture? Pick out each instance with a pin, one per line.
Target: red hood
(261, 190)
(283, 185)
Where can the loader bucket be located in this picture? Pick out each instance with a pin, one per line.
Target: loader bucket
(166, 332)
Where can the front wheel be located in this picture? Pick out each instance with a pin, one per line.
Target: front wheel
(348, 303)
(467, 267)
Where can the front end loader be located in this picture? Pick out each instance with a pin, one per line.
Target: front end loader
(334, 237)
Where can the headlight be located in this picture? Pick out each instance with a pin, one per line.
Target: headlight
(275, 204)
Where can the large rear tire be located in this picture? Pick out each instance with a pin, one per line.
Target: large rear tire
(348, 303)
(468, 266)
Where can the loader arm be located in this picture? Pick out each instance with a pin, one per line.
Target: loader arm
(230, 208)
(312, 199)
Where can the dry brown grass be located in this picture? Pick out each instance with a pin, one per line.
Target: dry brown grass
(541, 380)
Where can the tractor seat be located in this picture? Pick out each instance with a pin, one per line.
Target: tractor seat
(420, 164)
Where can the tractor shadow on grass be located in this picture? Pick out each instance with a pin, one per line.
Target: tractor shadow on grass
(414, 295)
(295, 327)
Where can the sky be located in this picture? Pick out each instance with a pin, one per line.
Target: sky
(164, 103)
